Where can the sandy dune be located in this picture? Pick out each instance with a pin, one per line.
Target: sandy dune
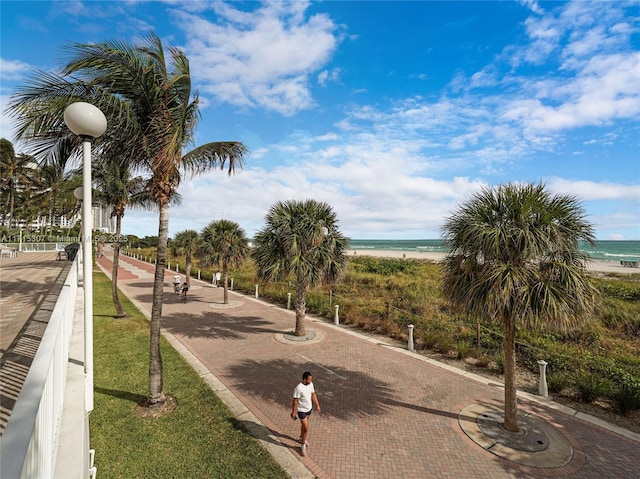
(593, 265)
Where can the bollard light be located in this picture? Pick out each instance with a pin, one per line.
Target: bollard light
(336, 318)
(410, 345)
(543, 390)
(88, 122)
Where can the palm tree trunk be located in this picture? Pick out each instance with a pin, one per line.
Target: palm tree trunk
(187, 270)
(510, 397)
(225, 267)
(156, 394)
(120, 313)
(301, 306)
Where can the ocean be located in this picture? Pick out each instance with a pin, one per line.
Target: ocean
(603, 250)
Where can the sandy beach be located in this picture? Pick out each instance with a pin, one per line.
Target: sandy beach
(593, 265)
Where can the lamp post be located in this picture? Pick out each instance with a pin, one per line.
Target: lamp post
(88, 122)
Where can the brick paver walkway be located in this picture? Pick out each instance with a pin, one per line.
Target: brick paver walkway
(386, 413)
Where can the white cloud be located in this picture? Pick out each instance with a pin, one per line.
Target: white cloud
(328, 76)
(261, 58)
(13, 70)
(592, 190)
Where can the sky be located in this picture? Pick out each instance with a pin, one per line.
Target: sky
(394, 113)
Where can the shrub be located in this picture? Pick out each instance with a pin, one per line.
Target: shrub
(626, 397)
(499, 360)
(590, 386)
(429, 338)
(463, 350)
(557, 382)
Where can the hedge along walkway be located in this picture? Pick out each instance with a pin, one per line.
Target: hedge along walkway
(386, 412)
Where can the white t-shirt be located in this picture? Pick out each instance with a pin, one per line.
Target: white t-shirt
(303, 393)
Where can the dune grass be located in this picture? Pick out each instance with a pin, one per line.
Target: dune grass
(199, 439)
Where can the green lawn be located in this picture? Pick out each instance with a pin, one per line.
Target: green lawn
(199, 439)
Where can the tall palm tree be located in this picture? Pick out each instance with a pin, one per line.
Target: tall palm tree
(223, 242)
(186, 243)
(149, 104)
(301, 238)
(513, 258)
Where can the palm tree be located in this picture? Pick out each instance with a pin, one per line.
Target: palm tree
(149, 104)
(223, 242)
(16, 172)
(513, 258)
(301, 238)
(117, 188)
(52, 188)
(186, 243)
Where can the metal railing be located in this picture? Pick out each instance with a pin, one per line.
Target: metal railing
(29, 442)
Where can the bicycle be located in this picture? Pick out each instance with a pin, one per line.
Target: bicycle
(183, 295)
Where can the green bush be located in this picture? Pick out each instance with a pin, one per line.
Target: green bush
(463, 349)
(499, 360)
(557, 382)
(626, 398)
(590, 386)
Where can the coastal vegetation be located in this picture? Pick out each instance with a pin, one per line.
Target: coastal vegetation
(384, 295)
(223, 243)
(514, 260)
(300, 240)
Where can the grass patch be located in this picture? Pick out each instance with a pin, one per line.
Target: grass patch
(201, 438)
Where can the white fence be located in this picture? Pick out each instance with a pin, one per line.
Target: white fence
(30, 440)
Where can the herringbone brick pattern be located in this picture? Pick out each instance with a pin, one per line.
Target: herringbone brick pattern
(385, 413)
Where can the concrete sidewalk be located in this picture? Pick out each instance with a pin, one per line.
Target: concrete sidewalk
(386, 412)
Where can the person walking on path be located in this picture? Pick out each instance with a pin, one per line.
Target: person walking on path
(218, 276)
(304, 398)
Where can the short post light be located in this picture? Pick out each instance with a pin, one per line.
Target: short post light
(88, 122)
(410, 344)
(543, 389)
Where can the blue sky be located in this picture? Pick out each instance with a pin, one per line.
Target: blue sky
(392, 112)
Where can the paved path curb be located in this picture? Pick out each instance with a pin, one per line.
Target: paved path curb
(387, 412)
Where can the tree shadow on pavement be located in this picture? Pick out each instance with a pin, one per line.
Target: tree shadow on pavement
(339, 389)
(210, 325)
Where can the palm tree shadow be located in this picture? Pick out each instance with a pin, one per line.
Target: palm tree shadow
(213, 325)
(125, 395)
(338, 388)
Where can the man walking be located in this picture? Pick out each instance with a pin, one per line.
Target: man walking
(304, 398)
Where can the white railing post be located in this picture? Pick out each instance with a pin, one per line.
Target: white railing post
(256, 290)
(336, 318)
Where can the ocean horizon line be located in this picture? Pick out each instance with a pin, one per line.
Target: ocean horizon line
(605, 250)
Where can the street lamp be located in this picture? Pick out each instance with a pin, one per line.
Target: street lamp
(88, 122)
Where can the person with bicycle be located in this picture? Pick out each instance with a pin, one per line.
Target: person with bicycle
(176, 283)
(185, 288)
